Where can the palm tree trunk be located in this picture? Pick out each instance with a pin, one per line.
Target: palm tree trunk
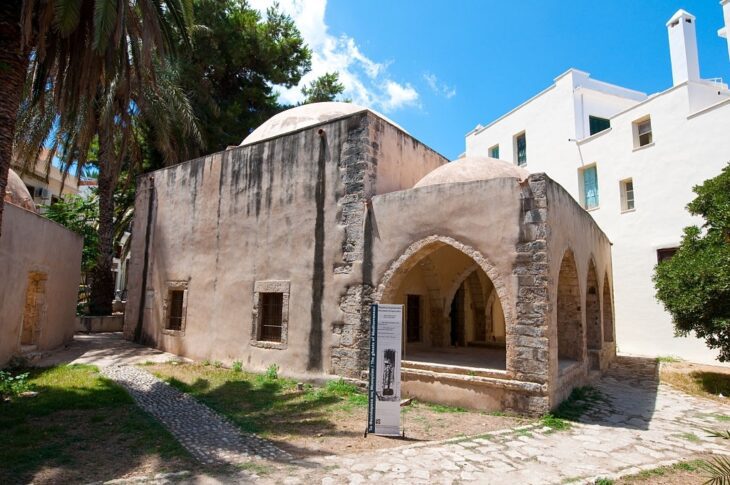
(13, 65)
(102, 283)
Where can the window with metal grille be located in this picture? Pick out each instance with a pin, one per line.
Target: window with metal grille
(271, 310)
(494, 151)
(521, 149)
(597, 124)
(176, 298)
(590, 187)
(413, 318)
(627, 195)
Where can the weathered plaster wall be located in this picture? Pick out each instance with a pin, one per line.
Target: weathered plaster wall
(31, 243)
(288, 209)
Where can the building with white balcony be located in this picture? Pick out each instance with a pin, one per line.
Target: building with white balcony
(631, 160)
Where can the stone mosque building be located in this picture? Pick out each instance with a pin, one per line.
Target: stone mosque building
(273, 251)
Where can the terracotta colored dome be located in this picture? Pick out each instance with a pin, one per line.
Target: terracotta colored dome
(16, 192)
(303, 116)
(470, 169)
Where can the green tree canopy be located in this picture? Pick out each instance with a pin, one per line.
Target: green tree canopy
(236, 59)
(324, 88)
(694, 285)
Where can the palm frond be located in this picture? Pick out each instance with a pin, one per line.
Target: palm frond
(66, 15)
(718, 470)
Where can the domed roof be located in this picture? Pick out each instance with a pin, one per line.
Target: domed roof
(470, 169)
(16, 192)
(303, 116)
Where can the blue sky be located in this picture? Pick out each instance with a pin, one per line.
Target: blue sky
(439, 68)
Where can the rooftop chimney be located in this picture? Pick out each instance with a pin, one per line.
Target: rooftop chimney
(725, 31)
(683, 47)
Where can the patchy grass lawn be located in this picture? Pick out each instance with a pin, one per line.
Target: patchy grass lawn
(706, 381)
(317, 420)
(81, 428)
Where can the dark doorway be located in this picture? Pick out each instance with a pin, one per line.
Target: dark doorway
(413, 318)
(457, 318)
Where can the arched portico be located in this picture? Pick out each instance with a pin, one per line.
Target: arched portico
(454, 299)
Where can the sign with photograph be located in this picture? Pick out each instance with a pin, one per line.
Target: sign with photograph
(386, 329)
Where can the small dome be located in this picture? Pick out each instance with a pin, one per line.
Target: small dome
(303, 116)
(470, 169)
(16, 192)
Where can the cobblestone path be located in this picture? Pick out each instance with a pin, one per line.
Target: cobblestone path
(640, 425)
(209, 437)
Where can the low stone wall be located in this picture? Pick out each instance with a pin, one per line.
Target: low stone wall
(96, 324)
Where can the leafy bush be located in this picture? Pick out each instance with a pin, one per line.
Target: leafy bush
(11, 386)
(694, 284)
(237, 366)
(272, 372)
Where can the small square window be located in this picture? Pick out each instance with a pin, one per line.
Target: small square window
(589, 187)
(642, 133)
(627, 195)
(597, 124)
(270, 314)
(520, 146)
(494, 151)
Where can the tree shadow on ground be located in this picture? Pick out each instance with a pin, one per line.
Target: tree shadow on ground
(275, 409)
(81, 428)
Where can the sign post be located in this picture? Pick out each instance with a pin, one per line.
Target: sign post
(386, 329)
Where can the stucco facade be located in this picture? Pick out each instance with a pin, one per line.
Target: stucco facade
(40, 266)
(335, 208)
(689, 144)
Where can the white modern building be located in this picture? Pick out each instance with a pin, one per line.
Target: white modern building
(631, 160)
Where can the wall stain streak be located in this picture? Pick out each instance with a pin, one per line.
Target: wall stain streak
(315, 332)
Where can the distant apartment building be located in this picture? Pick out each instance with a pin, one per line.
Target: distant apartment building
(631, 160)
(45, 181)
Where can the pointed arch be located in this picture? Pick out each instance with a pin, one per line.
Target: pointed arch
(569, 321)
(607, 310)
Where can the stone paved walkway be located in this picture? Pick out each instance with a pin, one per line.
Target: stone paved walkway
(209, 437)
(641, 425)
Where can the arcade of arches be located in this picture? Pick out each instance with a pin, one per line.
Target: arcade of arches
(452, 312)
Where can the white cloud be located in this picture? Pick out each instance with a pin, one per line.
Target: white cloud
(399, 95)
(439, 87)
(367, 82)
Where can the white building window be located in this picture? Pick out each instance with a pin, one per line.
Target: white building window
(589, 187)
(627, 195)
(494, 151)
(642, 132)
(520, 148)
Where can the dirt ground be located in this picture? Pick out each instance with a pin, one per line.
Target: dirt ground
(315, 421)
(708, 381)
(420, 423)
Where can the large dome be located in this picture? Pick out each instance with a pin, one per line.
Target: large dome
(470, 169)
(303, 116)
(16, 192)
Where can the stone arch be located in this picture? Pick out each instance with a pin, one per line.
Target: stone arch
(607, 310)
(455, 285)
(399, 268)
(569, 321)
(593, 309)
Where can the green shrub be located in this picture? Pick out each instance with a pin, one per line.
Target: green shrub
(11, 386)
(694, 284)
(237, 366)
(217, 364)
(272, 372)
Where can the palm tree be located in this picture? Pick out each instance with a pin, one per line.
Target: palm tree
(93, 67)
